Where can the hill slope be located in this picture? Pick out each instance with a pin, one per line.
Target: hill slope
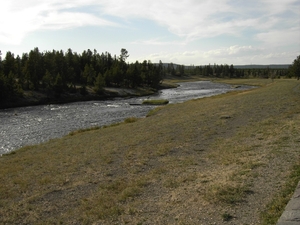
(205, 161)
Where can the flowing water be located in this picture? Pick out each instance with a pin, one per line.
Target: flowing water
(36, 124)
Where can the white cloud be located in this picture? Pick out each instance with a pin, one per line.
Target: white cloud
(194, 19)
(190, 19)
(279, 6)
(158, 42)
(280, 37)
(23, 17)
(259, 24)
(227, 55)
(231, 52)
(237, 55)
(66, 20)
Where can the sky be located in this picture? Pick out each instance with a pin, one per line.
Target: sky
(188, 32)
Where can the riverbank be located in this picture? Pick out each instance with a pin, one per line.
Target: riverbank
(31, 98)
(217, 160)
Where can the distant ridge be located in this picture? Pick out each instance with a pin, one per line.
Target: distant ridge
(252, 66)
(271, 66)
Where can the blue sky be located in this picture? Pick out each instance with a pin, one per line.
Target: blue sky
(186, 32)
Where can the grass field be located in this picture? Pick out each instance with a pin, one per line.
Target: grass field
(232, 157)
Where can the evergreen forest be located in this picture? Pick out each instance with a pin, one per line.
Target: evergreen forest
(57, 72)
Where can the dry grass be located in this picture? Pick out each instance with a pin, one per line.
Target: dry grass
(252, 82)
(205, 161)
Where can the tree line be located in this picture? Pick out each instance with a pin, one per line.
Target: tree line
(227, 71)
(294, 69)
(58, 71)
(55, 72)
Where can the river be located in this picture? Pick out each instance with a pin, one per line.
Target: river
(36, 124)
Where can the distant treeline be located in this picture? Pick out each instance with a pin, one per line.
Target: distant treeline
(271, 66)
(226, 71)
(246, 71)
(56, 72)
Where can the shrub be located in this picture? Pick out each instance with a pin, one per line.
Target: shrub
(156, 102)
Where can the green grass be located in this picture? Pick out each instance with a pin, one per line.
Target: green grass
(131, 120)
(228, 194)
(227, 217)
(153, 111)
(251, 82)
(127, 120)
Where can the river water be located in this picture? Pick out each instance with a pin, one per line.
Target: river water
(37, 124)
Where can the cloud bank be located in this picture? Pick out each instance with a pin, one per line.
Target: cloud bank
(261, 23)
(190, 19)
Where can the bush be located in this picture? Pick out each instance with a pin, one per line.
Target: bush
(156, 102)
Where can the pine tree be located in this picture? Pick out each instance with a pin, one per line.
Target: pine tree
(295, 68)
(58, 85)
(9, 63)
(99, 84)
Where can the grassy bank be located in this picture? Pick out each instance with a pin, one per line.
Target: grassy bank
(204, 161)
(31, 98)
